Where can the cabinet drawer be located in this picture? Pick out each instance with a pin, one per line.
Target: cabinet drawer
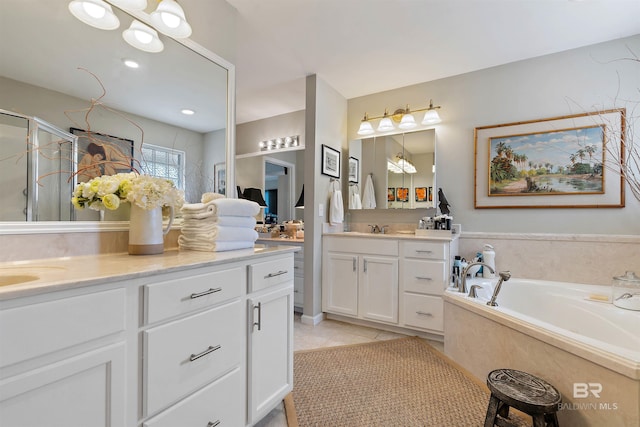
(38, 329)
(270, 273)
(186, 354)
(424, 311)
(185, 294)
(362, 245)
(425, 277)
(219, 403)
(430, 250)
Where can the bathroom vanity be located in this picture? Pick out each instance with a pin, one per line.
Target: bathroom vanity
(394, 281)
(298, 266)
(183, 338)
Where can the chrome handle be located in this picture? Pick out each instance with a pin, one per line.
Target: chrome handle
(423, 278)
(423, 251)
(213, 423)
(259, 323)
(210, 349)
(208, 292)
(279, 273)
(422, 313)
(354, 263)
(365, 265)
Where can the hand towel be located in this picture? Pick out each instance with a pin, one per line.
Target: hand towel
(369, 196)
(354, 198)
(222, 233)
(213, 246)
(207, 197)
(237, 221)
(336, 208)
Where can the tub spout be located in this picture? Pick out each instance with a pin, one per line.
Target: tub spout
(463, 282)
(504, 276)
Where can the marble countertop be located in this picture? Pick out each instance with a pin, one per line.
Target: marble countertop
(443, 237)
(54, 274)
(284, 240)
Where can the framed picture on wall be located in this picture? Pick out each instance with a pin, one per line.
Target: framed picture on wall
(353, 169)
(220, 178)
(559, 162)
(99, 154)
(330, 162)
(421, 194)
(402, 194)
(391, 194)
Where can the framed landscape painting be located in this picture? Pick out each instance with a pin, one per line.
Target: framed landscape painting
(563, 162)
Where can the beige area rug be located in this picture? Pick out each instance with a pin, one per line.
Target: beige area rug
(402, 382)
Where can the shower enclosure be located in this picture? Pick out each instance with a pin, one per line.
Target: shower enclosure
(37, 169)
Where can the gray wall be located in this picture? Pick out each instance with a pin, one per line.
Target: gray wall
(581, 80)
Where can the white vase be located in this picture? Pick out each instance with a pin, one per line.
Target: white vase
(146, 235)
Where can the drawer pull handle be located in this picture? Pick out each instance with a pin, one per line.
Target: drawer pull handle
(354, 264)
(422, 313)
(423, 251)
(279, 273)
(423, 278)
(215, 423)
(211, 349)
(208, 292)
(259, 322)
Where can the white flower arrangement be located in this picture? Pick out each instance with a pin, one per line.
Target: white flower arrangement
(108, 191)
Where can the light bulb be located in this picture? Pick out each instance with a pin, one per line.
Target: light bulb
(142, 37)
(94, 10)
(170, 20)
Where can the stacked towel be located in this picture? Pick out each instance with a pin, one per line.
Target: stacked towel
(218, 225)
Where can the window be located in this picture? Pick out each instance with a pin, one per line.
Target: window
(164, 162)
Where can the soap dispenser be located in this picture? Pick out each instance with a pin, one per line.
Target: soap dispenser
(489, 258)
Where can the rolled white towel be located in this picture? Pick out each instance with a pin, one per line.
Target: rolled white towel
(236, 221)
(223, 233)
(236, 207)
(207, 197)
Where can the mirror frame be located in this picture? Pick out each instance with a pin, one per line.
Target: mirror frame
(48, 227)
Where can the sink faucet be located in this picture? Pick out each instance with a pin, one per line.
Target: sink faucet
(463, 282)
(377, 229)
(504, 276)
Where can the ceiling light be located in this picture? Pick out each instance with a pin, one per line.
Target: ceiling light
(280, 143)
(131, 63)
(187, 112)
(96, 13)
(130, 4)
(169, 19)
(404, 117)
(143, 37)
(431, 116)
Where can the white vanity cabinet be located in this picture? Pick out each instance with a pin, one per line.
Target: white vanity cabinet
(360, 278)
(62, 359)
(298, 266)
(395, 281)
(425, 271)
(270, 335)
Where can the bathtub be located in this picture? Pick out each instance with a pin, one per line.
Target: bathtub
(588, 349)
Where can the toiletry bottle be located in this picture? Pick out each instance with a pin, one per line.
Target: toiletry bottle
(489, 258)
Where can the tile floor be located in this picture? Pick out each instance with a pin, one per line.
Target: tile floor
(329, 333)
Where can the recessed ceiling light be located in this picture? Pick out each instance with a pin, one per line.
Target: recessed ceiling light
(130, 63)
(187, 112)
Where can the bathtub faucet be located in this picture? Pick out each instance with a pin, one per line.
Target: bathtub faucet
(463, 283)
(504, 276)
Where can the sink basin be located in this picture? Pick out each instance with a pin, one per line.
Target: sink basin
(14, 279)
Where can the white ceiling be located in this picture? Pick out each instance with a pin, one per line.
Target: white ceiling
(360, 47)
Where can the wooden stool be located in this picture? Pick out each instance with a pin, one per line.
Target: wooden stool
(524, 392)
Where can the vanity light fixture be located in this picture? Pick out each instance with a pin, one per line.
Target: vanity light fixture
(404, 116)
(169, 19)
(96, 13)
(400, 165)
(130, 4)
(143, 37)
(279, 143)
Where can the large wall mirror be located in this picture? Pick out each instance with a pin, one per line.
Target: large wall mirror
(401, 168)
(53, 65)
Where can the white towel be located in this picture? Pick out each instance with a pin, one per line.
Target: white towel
(336, 208)
(237, 221)
(207, 197)
(202, 220)
(354, 198)
(223, 233)
(236, 207)
(213, 246)
(369, 196)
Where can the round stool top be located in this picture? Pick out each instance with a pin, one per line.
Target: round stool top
(523, 391)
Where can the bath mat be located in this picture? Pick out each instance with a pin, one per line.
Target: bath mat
(401, 382)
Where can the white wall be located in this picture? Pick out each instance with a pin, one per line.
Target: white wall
(581, 80)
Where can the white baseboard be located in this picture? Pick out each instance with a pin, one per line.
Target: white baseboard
(312, 320)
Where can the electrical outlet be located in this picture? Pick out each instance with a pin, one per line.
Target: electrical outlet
(320, 210)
